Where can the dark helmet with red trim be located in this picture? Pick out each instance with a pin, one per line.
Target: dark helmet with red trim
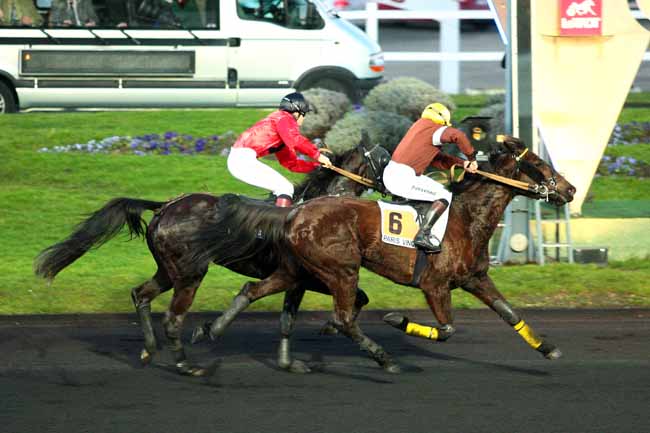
(295, 103)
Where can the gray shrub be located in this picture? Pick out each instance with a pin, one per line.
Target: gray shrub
(385, 129)
(405, 96)
(328, 106)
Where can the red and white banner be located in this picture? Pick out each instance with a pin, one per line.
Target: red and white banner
(581, 18)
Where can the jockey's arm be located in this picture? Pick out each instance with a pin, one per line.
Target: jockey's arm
(288, 159)
(289, 132)
(458, 137)
(444, 161)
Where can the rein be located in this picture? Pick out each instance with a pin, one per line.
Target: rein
(535, 188)
(355, 177)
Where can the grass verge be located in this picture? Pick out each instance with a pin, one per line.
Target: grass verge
(44, 195)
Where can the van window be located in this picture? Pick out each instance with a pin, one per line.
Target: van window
(293, 14)
(137, 14)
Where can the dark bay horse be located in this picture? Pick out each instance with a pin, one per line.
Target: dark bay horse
(331, 238)
(176, 221)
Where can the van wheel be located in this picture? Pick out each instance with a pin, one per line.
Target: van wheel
(7, 100)
(336, 85)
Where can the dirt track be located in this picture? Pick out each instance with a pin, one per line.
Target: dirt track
(81, 374)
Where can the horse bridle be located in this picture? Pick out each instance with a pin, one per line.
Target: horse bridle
(375, 169)
(544, 187)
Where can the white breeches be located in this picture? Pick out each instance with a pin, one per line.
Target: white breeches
(244, 165)
(401, 180)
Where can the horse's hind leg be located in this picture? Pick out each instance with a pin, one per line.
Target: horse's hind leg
(292, 300)
(142, 296)
(483, 288)
(174, 317)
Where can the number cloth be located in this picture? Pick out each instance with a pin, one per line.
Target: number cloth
(401, 180)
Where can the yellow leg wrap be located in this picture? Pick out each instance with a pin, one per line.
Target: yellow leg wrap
(528, 334)
(421, 331)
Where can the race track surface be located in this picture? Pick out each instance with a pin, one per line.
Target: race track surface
(82, 374)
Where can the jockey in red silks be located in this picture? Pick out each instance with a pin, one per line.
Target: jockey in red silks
(278, 133)
(420, 148)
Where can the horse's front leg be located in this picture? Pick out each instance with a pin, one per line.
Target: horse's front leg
(292, 300)
(484, 289)
(361, 301)
(439, 300)
(343, 286)
(277, 282)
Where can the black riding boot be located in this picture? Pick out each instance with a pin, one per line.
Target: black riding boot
(283, 200)
(422, 240)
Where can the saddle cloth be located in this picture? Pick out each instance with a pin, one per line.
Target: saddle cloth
(399, 223)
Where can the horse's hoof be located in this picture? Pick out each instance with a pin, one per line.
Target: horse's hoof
(396, 320)
(554, 354)
(299, 367)
(198, 335)
(392, 368)
(186, 369)
(328, 329)
(146, 357)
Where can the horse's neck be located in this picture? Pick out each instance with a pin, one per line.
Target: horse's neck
(483, 207)
(317, 186)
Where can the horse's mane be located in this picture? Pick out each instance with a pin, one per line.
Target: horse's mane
(243, 228)
(317, 181)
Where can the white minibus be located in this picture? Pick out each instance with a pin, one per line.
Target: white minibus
(177, 53)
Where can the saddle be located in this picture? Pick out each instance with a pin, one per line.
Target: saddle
(400, 221)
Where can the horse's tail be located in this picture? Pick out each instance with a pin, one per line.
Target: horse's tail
(241, 229)
(96, 230)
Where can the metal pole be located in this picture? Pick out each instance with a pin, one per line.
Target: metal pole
(450, 43)
(372, 22)
(518, 121)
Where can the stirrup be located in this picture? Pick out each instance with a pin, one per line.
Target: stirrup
(425, 244)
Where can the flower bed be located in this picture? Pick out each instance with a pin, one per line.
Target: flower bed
(168, 143)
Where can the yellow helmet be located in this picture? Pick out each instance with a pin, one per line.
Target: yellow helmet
(437, 113)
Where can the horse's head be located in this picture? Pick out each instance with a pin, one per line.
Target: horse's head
(367, 161)
(511, 159)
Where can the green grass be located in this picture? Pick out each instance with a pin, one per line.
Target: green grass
(44, 195)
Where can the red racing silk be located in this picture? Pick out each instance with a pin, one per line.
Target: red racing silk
(279, 133)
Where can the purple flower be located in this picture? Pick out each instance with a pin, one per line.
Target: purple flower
(170, 134)
(214, 137)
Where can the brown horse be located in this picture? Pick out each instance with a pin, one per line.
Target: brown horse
(331, 238)
(176, 221)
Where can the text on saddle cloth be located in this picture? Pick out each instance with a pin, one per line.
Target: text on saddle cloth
(399, 223)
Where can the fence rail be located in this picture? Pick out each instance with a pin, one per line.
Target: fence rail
(449, 54)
